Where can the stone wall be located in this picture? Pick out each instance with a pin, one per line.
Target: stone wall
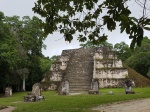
(108, 69)
(119, 73)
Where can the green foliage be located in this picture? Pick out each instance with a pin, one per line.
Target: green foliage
(53, 59)
(74, 103)
(139, 59)
(45, 64)
(148, 73)
(9, 56)
(123, 51)
(88, 18)
(140, 62)
(20, 50)
(140, 80)
(1, 16)
(145, 47)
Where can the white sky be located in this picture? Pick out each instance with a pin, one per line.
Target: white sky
(55, 42)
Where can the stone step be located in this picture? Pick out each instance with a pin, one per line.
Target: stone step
(80, 82)
(77, 75)
(81, 74)
(79, 70)
(79, 91)
(79, 78)
(79, 87)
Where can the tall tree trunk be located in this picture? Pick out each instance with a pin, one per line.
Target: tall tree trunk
(24, 84)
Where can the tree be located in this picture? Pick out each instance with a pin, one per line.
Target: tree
(148, 73)
(53, 59)
(20, 51)
(145, 46)
(88, 18)
(123, 51)
(45, 64)
(139, 60)
(16, 27)
(32, 42)
(23, 73)
(9, 56)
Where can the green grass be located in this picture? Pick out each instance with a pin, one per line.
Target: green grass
(76, 103)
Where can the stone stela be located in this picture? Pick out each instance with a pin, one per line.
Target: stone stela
(35, 95)
(8, 91)
(94, 87)
(64, 88)
(128, 86)
(80, 67)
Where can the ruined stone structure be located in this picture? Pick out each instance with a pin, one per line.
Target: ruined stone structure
(35, 95)
(75, 70)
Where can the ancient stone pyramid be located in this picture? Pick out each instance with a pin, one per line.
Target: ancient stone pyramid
(76, 68)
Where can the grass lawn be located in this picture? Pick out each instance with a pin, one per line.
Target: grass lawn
(76, 103)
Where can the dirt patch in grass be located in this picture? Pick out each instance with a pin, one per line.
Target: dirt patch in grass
(3, 107)
(7, 109)
(140, 105)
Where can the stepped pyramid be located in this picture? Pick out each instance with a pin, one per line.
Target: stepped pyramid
(75, 70)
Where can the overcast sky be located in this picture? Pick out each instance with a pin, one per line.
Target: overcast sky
(55, 42)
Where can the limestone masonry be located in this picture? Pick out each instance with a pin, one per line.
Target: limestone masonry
(75, 70)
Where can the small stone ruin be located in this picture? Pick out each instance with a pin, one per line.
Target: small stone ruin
(35, 95)
(8, 91)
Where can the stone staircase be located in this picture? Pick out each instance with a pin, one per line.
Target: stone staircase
(79, 70)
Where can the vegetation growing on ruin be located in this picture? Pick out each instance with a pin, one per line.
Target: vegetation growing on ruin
(140, 80)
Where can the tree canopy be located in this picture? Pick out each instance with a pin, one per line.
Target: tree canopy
(21, 43)
(123, 51)
(139, 59)
(88, 18)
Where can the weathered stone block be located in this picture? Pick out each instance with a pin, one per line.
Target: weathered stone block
(8, 91)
